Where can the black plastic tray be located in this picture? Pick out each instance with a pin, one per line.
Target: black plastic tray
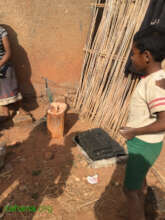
(98, 145)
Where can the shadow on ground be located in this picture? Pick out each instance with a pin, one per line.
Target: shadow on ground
(105, 207)
(35, 170)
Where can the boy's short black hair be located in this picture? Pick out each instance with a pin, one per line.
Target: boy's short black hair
(152, 39)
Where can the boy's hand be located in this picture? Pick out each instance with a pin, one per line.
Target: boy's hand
(127, 132)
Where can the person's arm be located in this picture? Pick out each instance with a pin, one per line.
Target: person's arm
(7, 49)
(156, 127)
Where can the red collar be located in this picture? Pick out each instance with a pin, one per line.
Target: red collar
(143, 77)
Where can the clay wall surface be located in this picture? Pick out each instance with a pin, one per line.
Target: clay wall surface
(47, 39)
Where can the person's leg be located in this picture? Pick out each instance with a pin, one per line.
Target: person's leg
(21, 114)
(135, 206)
(5, 110)
(141, 157)
(143, 191)
(5, 113)
(144, 187)
(19, 107)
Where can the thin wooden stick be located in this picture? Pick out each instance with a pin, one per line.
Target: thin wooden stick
(104, 92)
(88, 203)
(98, 5)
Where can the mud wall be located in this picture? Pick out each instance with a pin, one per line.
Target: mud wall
(47, 39)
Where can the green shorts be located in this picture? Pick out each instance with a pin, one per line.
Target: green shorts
(141, 156)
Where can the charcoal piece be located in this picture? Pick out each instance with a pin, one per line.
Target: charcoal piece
(98, 144)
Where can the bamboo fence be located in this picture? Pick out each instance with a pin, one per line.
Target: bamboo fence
(104, 91)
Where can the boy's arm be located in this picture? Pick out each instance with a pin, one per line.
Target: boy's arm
(156, 127)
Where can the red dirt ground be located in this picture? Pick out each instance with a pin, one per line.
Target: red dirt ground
(31, 177)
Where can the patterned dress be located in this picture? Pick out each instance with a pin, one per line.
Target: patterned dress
(8, 84)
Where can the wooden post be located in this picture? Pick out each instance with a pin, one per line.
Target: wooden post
(55, 119)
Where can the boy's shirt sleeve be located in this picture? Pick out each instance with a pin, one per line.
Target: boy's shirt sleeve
(155, 97)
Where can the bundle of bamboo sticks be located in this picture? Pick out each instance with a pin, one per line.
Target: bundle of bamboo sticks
(104, 91)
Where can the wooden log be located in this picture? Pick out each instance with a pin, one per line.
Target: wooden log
(55, 119)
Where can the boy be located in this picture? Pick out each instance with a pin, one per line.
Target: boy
(146, 122)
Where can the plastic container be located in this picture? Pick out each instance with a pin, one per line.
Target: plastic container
(55, 119)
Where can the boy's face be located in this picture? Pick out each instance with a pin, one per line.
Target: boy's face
(138, 60)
